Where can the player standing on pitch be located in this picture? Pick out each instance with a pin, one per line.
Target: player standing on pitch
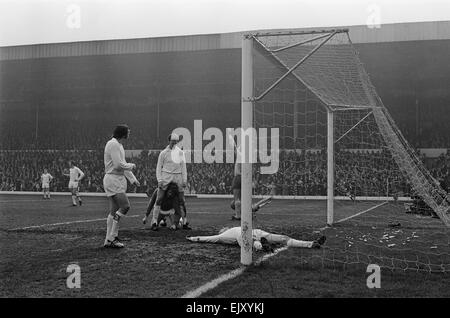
(171, 167)
(46, 178)
(75, 175)
(117, 171)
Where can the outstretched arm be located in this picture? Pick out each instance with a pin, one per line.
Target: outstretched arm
(230, 236)
(206, 239)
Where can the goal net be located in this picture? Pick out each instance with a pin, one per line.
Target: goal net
(341, 151)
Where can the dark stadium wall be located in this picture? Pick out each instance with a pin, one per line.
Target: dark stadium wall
(73, 102)
(413, 80)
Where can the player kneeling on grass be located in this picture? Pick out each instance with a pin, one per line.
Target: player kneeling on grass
(117, 171)
(170, 208)
(261, 239)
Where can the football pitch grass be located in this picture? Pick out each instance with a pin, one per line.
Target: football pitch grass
(41, 238)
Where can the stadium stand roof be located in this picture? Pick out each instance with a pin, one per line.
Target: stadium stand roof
(438, 30)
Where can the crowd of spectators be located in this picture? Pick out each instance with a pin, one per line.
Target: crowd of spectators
(358, 173)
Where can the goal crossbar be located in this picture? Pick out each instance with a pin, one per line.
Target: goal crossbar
(300, 43)
(305, 32)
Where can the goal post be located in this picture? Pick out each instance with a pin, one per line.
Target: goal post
(246, 173)
(330, 167)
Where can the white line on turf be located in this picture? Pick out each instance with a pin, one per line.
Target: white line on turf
(63, 223)
(362, 212)
(21, 200)
(235, 273)
(104, 219)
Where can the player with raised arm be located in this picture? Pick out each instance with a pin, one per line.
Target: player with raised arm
(261, 239)
(117, 171)
(75, 175)
(171, 167)
(46, 178)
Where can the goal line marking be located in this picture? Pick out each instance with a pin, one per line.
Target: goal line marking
(237, 272)
(233, 274)
(362, 212)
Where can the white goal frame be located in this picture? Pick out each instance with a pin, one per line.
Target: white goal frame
(247, 105)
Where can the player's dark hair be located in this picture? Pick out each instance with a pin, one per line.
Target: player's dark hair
(169, 137)
(172, 190)
(121, 131)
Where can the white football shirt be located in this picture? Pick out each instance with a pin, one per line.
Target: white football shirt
(75, 174)
(46, 178)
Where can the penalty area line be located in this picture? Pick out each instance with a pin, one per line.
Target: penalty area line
(62, 223)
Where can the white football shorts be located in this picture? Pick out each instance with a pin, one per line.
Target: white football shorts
(172, 177)
(73, 184)
(114, 184)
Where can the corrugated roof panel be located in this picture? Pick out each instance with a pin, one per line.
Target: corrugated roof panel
(359, 34)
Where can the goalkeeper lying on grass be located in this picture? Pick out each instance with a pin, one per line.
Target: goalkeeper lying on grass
(261, 239)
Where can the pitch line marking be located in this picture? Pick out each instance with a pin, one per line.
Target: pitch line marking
(104, 219)
(63, 223)
(33, 200)
(362, 212)
(235, 273)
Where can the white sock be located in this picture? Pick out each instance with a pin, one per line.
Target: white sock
(115, 225)
(109, 222)
(297, 243)
(73, 200)
(114, 230)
